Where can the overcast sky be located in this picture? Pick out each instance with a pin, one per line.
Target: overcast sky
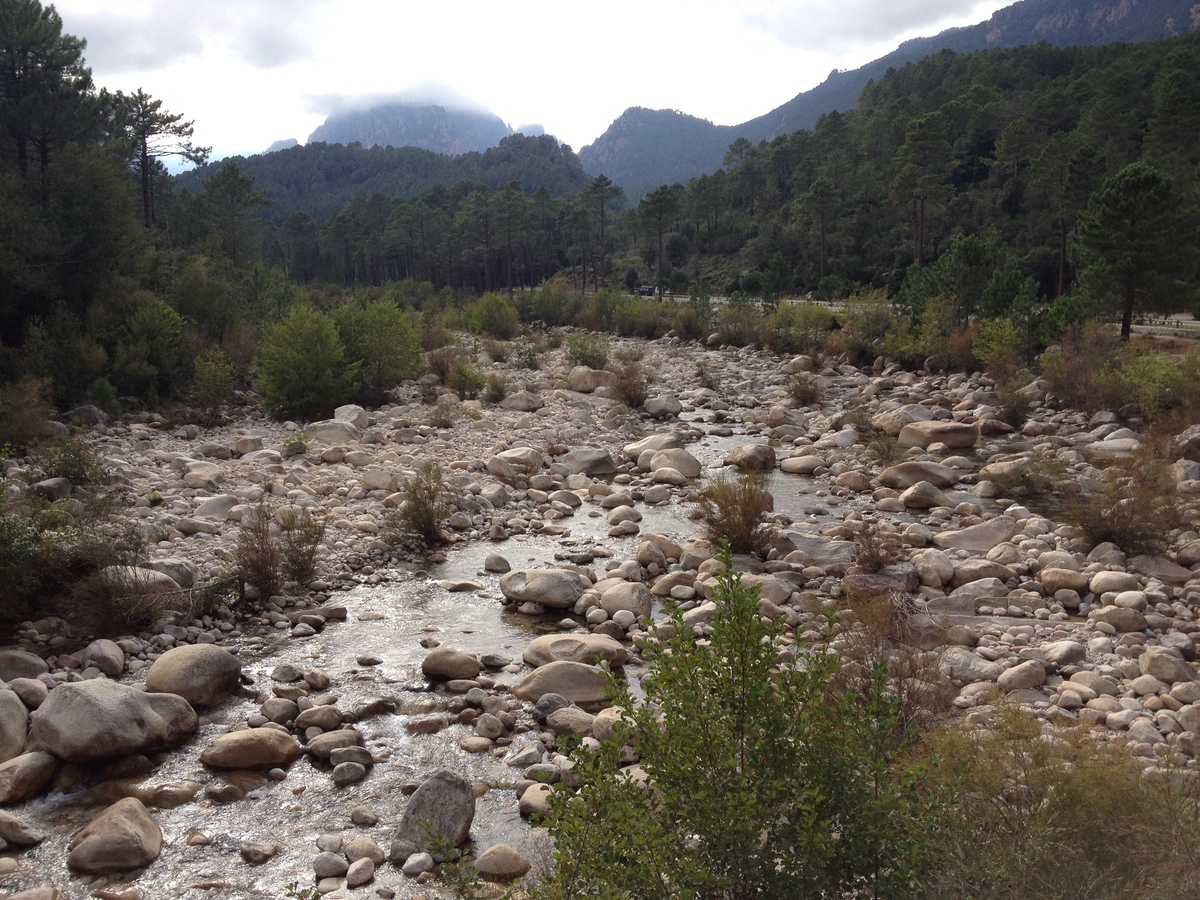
(250, 72)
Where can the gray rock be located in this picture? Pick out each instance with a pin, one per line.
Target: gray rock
(251, 748)
(552, 588)
(501, 862)
(955, 435)
(441, 809)
(123, 837)
(967, 666)
(751, 457)
(978, 538)
(585, 648)
(578, 682)
(24, 776)
(106, 656)
(14, 723)
(100, 719)
(632, 596)
(523, 401)
(655, 442)
(906, 474)
(203, 674)
(1023, 676)
(19, 833)
(448, 663)
(665, 406)
(21, 664)
(1166, 664)
(591, 461)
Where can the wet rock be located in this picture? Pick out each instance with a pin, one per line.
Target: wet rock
(634, 597)
(501, 862)
(251, 748)
(19, 833)
(978, 538)
(361, 871)
(551, 588)
(494, 562)
(323, 745)
(590, 461)
(329, 865)
(24, 776)
(585, 648)
(751, 457)
(955, 435)
(256, 853)
(14, 723)
(535, 801)
(578, 682)
(448, 663)
(907, 474)
(203, 674)
(348, 773)
(99, 719)
(123, 837)
(441, 809)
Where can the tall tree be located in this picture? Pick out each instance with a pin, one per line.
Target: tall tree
(232, 206)
(658, 210)
(154, 134)
(600, 193)
(46, 95)
(1129, 244)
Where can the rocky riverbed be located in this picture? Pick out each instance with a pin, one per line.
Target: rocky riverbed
(310, 737)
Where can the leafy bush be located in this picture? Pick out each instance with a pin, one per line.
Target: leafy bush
(102, 394)
(495, 389)
(806, 389)
(1073, 371)
(384, 342)
(494, 316)
(734, 509)
(147, 360)
(740, 323)
(213, 386)
(464, 379)
(300, 536)
(24, 413)
(257, 560)
(424, 510)
(1133, 507)
(799, 327)
(586, 349)
(74, 460)
(760, 780)
(632, 385)
(303, 370)
(1027, 803)
(441, 361)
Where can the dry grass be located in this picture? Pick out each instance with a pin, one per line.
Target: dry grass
(734, 508)
(1134, 507)
(424, 510)
(632, 385)
(806, 390)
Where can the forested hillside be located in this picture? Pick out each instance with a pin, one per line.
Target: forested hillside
(318, 178)
(644, 148)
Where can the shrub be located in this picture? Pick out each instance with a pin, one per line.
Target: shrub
(1027, 803)
(74, 460)
(384, 342)
(213, 386)
(586, 349)
(424, 510)
(1133, 507)
(494, 316)
(495, 389)
(740, 323)
(300, 536)
(734, 509)
(799, 328)
(998, 347)
(526, 355)
(441, 361)
(758, 782)
(302, 367)
(806, 389)
(24, 413)
(103, 395)
(1073, 370)
(257, 560)
(632, 385)
(464, 379)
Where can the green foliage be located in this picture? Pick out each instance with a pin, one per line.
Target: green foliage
(303, 371)
(740, 322)
(300, 537)
(734, 510)
(494, 316)
(73, 459)
(799, 327)
(1026, 801)
(464, 379)
(806, 389)
(495, 389)
(998, 346)
(424, 509)
(760, 781)
(385, 343)
(1133, 506)
(214, 382)
(586, 349)
(257, 560)
(24, 413)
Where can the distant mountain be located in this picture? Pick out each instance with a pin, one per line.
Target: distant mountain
(282, 145)
(427, 126)
(644, 148)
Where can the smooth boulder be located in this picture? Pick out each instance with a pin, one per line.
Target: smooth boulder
(123, 837)
(202, 674)
(251, 748)
(552, 588)
(584, 648)
(440, 810)
(14, 722)
(100, 719)
(578, 682)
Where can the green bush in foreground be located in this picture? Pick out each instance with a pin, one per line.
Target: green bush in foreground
(760, 781)
(303, 369)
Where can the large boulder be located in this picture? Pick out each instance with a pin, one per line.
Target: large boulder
(123, 837)
(655, 442)
(678, 459)
(14, 722)
(251, 748)
(21, 664)
(552, 588)
(24, 776)
(631, 595)
(333, 431)
(100, 719)
(593, 461)
(967, 667)
(1187, 444)
(751, 457)
(578, 682)
(955, 435)
(106, 656)
(440, 810)
(584, 648)
(202, 674)
(906, 474)
(978, 538)
(587, 381)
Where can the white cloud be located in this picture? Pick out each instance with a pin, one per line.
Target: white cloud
(845, 24)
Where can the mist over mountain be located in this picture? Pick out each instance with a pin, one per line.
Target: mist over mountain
(644, 148)
(400, 123)
(282, 145)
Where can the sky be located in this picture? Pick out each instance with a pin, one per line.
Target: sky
(251, 72)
